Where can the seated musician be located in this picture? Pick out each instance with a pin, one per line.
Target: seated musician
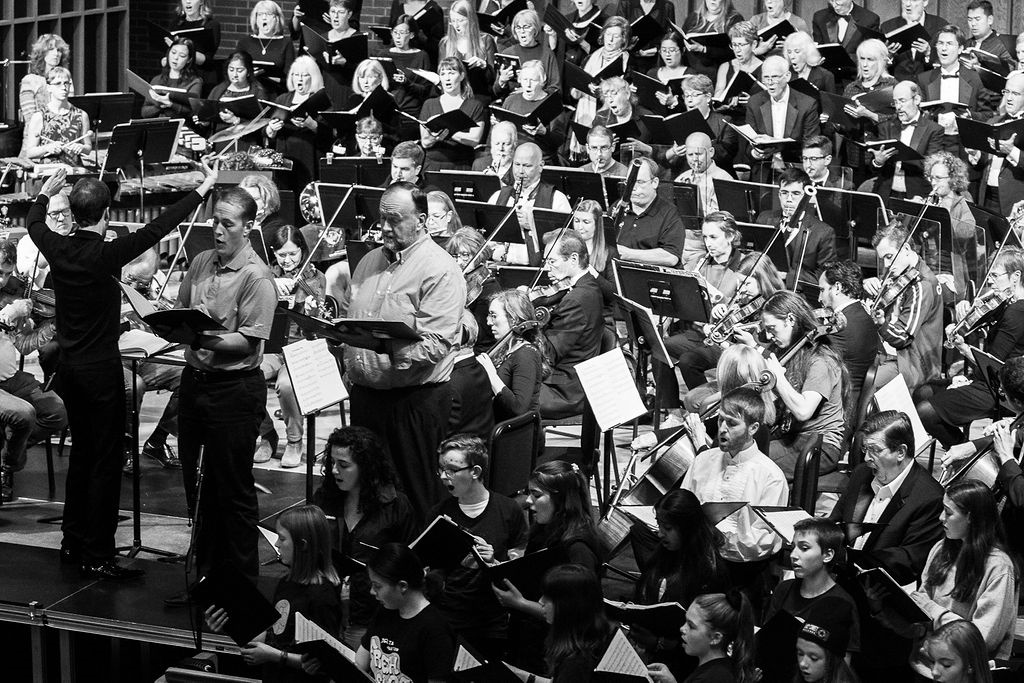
(574, 332)
(948, 174)
(517, 366)
(811, 243)
(720, 269)
(497, 522)
(651, 231)
(949, 411)
(778, 112)
(179, 72)
(906, 501)
(1001, 441)
(841, 288)
(951, 83)
(908, 316)
(365, 142)
(801, 52)
(466, 246)
(300, 138)
(813, 386)
(600, 149)
(471, 411)
(447, 149)
(409, 91)
(904, 178)
(496, 160)
(406, 164)
(368, 76)
(736, 470)
(697, 93)
(528, 193)
(60, 132)
(817, 163)
(27, 410)
(532, 90)
(270, 40)
(442, 218)
(304, 292)
(614, 44)
(588, 221)
(700, 155)
(241, 82)
(1002, 174)
(31, 264)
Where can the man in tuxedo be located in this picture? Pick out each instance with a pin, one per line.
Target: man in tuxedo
(778, 112)
(574, 332)
(905, 178)
(842, 289)
(981, 22)
(908, 64)
(812, 243)
(891, 490)
(1002, 175)
(951, 83)
(839, 23)
(817, 162)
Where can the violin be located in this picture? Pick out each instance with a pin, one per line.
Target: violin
(892, 288)
(324, 306)
(734, 316)
(475, 281)
(501, 347)
(984, 310)
(549, 295)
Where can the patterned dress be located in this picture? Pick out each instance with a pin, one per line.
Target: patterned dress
(63, 126)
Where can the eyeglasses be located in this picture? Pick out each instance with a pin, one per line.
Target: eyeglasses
(812, 159)
(59, 213)
(368, 137)
(874, 451)
(767, 78)
(995, 273)
(670, 50)
(400, 32)
(452, 471)
(931, 176)
(265, 14)
(611, 93)
(743, 44)
(599, 148)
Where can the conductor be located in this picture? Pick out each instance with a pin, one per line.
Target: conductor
(85, 269)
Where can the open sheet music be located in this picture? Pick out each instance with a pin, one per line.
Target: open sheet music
(315, 376)
(621, 660)
(610, 389)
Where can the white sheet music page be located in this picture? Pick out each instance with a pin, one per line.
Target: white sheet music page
(896, 396)
(307, 631)
(610, 389)
(621, 658)
(464, 660)
(315, 376)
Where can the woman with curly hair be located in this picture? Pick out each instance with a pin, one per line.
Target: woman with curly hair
(360, 489)
(49, 50)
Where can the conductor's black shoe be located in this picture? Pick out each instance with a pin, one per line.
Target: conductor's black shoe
(163, 454)
(110, 571)
(177, 600)
(70, 556)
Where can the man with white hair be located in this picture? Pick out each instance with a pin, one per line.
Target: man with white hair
(30, 263)
(778, 112)
(498, 159)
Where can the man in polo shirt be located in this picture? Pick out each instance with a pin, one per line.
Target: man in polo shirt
(222, 392)
(652, 231)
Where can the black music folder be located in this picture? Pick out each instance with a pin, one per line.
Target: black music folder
(526, 573)
(741, 82)
(835, 57)
(335, 664)
(354, 48)
(662, 619)
(249, 612)
(674, 129)
(544, 112)
(355, 170)
(454, 121)
(715, 512)
(645, 31)
(977, 134)
(106, 109)
(576, 77)
(905, 36)
(247, 107)
(504, 61)
(311, 106)
(896, 599)
(140, 85)
(643, 327)
(778, 31)
(903, 151)
(499, 22)
(201, 36)
(712, 40)
(443, 544)
(805, 87)
(778, 635)
(178, 325)
(647, 89)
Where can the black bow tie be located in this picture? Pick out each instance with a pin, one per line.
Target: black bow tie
(956, 75)
(904, 126)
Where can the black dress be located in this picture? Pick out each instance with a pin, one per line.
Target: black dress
(300, 145)
(274, 56)
(430, 27)
(707, 62)
(207, 44)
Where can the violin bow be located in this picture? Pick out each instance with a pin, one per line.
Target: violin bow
(487, 240)
(551, 245)
(910, 235)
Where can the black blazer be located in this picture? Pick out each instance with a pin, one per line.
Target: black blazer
(801, 117)
(969, 81)
(926, 139)
(821, 246)
(858, 344)
(574, 333)
(825, 27)
(1011, 178)
(904, 66)
(911, 520)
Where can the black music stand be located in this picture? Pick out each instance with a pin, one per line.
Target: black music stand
(933, 214)
(645, 331)
(666, 292)
(858, 210)
(578, 184)
(684, 196)
(355, 212)
(355, 170)
(106, 110)
(511, 277)
(141, 142)
(757, 237)
(745, 200)
(473, 186)
(356, 250)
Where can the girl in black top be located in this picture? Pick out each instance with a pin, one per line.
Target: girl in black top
(409, 91)
(427, 23)
(179, 73)
(240, 82)
(360, 491)
(408, 639)
(684, 565)
(719, 632)
(311, 587)
(193, 14)
(578, 631)
(447, 149)
(519, 367)
(713, 16)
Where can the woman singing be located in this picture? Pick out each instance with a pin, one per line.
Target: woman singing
(476, 50)
(179, 74)
(269, 46)
(299, 138)
(446, 149)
